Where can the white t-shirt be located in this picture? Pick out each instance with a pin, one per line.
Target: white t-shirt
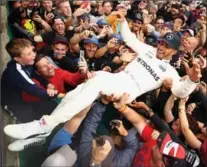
(148, 71)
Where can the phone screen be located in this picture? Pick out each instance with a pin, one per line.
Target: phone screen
(82, 53)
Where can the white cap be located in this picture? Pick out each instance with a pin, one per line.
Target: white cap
(190, 31)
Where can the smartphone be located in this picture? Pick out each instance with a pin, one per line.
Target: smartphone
(82, 54)
(100, 141)
(115, 123)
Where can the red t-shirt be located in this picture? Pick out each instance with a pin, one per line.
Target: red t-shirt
(60, 78)
(143, 156)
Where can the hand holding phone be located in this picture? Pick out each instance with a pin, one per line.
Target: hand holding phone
(82, 64)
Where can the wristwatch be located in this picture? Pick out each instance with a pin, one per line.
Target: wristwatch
(150, 110)
(95, 165)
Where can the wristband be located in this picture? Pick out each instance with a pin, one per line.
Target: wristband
(123, 108)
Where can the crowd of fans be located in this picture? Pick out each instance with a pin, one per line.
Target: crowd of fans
(58, 45)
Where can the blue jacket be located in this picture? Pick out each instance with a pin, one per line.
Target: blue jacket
(120, 158)
(17, 78)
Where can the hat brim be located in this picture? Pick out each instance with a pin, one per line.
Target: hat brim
(188, 32)
(59, 41)
(93, 42)
(168, 43)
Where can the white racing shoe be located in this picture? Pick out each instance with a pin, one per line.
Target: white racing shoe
(20, 145)
(28, 130)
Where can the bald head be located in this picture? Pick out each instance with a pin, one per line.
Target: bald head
(194, 42)
(190, 43)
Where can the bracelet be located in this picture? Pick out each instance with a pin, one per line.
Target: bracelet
(123, 108)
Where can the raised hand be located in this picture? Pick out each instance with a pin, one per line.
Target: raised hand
(147, 19)
(194, 73)
(80, 11)
(117, 124)
(99, 153)
(111, 43)
(128, 57)
(85, 34)
(37, 18)
(83, 66)
(182, 103)
(120, 16)
(140, 35)
(118, 102)
(48, 17)
(140, 105)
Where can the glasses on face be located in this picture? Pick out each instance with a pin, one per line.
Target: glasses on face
(103, 26)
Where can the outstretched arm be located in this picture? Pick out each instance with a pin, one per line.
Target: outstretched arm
(189, 136)
(182, 88)
(132, 41)
(168, 109)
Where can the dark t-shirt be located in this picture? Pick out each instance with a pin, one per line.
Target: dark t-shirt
(66, 63)
(49, 36)
(160, 104)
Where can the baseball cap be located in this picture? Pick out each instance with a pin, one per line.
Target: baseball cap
(84, 16)
(174, 154)
(172, 39)
(60, 39)
(120, 6)
(151, 40)
(176, 6)
(137, 16)
(191, 32)
(102, 22)
(93, 40)
(117, 36)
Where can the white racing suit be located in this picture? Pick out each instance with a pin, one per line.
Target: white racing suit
(144, 74)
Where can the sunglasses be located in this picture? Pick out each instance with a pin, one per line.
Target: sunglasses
(103, 26)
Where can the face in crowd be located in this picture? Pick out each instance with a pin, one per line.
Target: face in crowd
(136, 25)
(163, 50)
(64, 8)
(47, 5)
(45, 68)
(107, 8)
(177, 24)
(90, 49)
(159, 23)
(27, 56)
(60, 49)
(189, 43)
(59, 26)
(142, 4)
